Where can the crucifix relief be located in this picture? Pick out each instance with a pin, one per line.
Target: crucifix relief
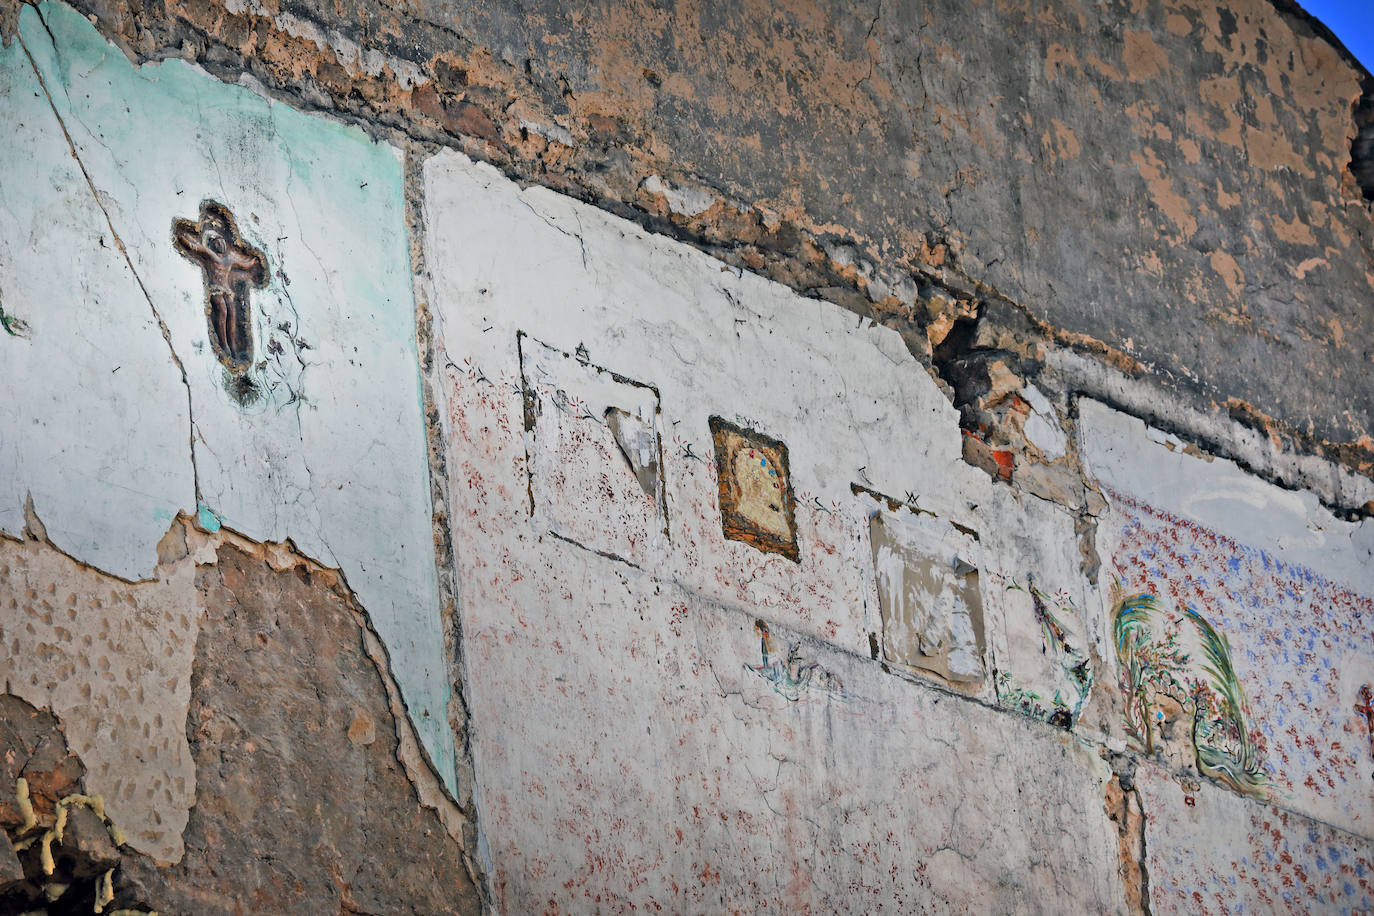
(230, 267)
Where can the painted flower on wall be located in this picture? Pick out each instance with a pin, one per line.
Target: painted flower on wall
(1179, 665)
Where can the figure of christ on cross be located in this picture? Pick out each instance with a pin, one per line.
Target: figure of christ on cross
(230, 267)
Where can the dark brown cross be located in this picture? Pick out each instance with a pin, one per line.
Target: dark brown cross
(230, 266)
(1366, 708)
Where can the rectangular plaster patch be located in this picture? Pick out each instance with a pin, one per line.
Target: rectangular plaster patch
(595, 455)
(757, 505)
(932, 610)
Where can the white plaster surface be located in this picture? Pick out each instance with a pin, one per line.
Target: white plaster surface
(683, 201)
(633, 754)
(709, 731)
(711, 342)
(1034, 546)
(93, 421)
(1042, 426)
(332, 455)
(1121, 451)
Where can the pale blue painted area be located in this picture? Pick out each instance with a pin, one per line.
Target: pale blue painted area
(333, 453)
(207, 520)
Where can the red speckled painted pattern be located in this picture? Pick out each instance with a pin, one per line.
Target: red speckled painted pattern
(1299, 643)
(1225, 854)
(636, 752)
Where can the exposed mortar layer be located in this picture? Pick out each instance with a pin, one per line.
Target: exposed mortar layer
(1124, 808)
(388, 77)
(410, 752)
(188, 546)
(256, 591)
(445, 561)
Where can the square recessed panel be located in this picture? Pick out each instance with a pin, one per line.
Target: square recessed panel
(928, 593)
(756, 501)
(595, 456)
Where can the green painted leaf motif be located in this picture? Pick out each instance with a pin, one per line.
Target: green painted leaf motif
(1224, 748)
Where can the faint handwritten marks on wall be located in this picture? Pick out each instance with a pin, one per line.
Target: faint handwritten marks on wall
(231, 267)
(595, 455)
(757, 505)
(928, 594)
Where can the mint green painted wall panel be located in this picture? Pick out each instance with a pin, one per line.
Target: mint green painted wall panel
(327, 448)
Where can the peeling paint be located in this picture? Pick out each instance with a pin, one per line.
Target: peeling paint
(679, 650)
(324, 447)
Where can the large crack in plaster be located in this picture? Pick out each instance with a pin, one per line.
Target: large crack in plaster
(119, 243)
(427, 335)
(323, 478)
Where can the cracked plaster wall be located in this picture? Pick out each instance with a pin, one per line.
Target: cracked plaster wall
(1293, 589)
(1161, 185)
(659, 712)
(120, 413)
(679, 725)
(629, 753)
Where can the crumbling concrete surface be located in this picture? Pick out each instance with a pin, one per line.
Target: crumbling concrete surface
(59, 848)
(302, 804)
(1166, 185)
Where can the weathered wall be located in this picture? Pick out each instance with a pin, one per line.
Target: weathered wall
(269, 391)
(318, 439)
(720, 726)
(380, 534)
(1163, 184)
(288, 775)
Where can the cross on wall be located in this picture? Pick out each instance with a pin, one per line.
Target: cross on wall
(230, 267)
